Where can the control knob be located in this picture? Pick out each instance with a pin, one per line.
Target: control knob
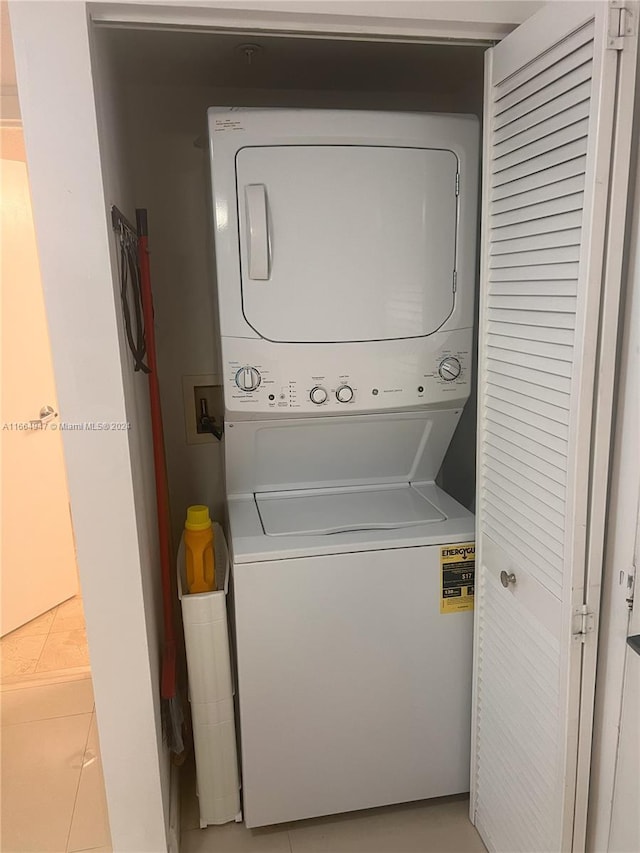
(248, 379)
(344, 394)
(450, 368)
(318, 395)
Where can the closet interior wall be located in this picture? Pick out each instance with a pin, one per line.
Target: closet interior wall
(165, 82)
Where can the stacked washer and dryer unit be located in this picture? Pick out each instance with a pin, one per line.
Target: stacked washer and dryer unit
(345, 253)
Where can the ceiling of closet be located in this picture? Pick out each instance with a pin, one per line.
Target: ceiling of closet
(174, 57)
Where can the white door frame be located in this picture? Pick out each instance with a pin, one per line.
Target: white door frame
(58, 107)
(620, 561)
(53, 63)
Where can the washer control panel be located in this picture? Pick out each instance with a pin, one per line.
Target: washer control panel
(263, 377)
(450, 368)
(248, 378)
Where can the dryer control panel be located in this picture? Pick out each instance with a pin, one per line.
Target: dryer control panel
(262, 377)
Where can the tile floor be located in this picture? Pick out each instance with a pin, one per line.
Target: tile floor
(49, 646)
(432, 826)
(53, 797)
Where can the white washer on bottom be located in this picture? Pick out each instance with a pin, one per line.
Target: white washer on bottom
(354, 688)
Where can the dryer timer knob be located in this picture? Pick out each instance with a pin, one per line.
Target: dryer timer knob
(248, 378)
(344, 394)
(450, 368)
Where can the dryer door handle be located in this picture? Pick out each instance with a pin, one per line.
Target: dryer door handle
(258, 231)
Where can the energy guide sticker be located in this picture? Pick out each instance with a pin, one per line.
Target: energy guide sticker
(457, 568)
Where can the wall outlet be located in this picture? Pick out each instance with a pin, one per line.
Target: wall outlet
(202, 393)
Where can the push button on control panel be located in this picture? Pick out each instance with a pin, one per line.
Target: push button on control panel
(248, 378)
(344, 394)
(318, 395)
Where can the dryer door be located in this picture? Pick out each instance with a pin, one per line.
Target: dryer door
(346, 243)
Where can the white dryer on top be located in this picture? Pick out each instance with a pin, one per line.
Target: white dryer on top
(345, 252)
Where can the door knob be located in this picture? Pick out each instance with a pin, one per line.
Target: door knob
(507, 578)
(47, 413)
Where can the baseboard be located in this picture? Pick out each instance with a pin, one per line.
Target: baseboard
(173, 835)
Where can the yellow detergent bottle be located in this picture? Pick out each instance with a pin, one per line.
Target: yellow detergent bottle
(198, 549)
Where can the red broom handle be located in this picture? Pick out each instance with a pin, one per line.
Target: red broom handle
(168, 685)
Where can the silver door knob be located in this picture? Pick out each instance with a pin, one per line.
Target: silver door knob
(507, 578)
(47, 413)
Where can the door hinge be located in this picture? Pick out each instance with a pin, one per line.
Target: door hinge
(631, 587)
(583, 623)
(457, 183)
(455, 280)
(621, 24)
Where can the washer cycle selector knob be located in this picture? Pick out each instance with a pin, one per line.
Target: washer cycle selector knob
(318, 395)
(248, 378)
(344, 394)
(450, 368)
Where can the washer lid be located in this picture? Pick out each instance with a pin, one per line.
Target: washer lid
(389, 448)
(313, 512)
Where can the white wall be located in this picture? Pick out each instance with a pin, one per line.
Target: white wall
(488, 20)
(171, 182)
(119, 186)
(114, 552)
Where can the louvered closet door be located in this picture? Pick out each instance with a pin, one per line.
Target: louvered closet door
(548, 122)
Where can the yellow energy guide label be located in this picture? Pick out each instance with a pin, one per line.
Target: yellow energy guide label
(457, 569)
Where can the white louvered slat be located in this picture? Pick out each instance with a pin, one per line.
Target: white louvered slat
(497, 414)
(518, 445)
(511, 430)
(536, 288)
(537, 663)
(541, 564)
(531, 257)
(551, 142)
(550, 224)
(551, 414)
(543, 364)
(543, 99)
(553, 175)
(545, 129)
(557, 189)
(532, 389)
(567, 99)
(568, 83)
(528, 374)
(552, 240)
(518, 725)
(519, 317)
(541, 210)
(526, 519)
(540, 271)
(540, 493)
(550, 65)
(497, 483)
(502, 443)
(537, 334)
(520, 302)
(544, 160)
(509, 95)
(521, 469)
(526, 347)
